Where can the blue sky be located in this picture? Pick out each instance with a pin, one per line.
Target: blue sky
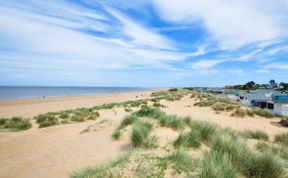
(150, 43)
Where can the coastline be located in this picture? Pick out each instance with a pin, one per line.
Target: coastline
(33, 106)
(60, 150)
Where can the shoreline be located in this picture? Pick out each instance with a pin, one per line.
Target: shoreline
(80, 94)
(34, 106)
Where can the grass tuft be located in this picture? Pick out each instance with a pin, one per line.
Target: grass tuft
(281, 138)
(217, 165)
(141, 137)
(258, 134)
(262, 113)
(190, 139)
(173, 122)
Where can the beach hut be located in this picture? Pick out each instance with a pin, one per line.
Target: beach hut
(280, 104)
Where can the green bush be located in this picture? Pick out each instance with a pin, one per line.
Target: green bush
(148, 112)
(46, 120)
(173, 89)
(64, 115)
(15, 124)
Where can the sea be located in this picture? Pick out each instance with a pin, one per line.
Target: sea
(20, 92)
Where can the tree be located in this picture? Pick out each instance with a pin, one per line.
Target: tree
(283, 86)
(272, 82)
(249, 86)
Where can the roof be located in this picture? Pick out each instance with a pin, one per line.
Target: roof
(257, 95)
(280, 98)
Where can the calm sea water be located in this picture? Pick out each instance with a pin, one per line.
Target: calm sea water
(40, 92)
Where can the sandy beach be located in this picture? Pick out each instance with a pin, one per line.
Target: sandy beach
(60, 150)
(33, 107)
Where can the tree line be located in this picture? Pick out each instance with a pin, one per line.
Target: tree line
(252, 86)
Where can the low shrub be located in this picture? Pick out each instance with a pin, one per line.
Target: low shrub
(182, 162)
(262, 113)
(128, 120)
(173, 122)
(48, 121)
(141, 137)
(173, 89)
(217, 165)
(93, 115)
(281, 138)
(190, 139)
(149, 112)
(77, 118)
(64, 115)
(262, 165)
(15, 124)
(259, 135)
(205, 129)
(239, 113)
(218, 107)
(116, 134)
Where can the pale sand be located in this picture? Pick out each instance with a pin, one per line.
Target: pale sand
(59, 150)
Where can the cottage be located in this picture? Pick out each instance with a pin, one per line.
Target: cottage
(280, 104)
(258, 98)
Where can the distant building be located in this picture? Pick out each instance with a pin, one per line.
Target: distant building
(273, 101)
(258, 98)
(280, 104)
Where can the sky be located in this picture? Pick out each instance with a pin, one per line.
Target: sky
(143, 43)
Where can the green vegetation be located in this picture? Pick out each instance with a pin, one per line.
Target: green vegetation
(172, 94)
(66, 117)
(14, 124)
(217, 165)
(141, 137)
(149, 112)
(259, 135)
(262, 113)
(191, 139)
(225, 153)
(282, 138)
(239, 113)
(280, 150)
(149, 115)
(173, 122)
(220, 103)
(182, 162)
(252, 86)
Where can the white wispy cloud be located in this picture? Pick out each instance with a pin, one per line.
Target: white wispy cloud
(232, 23)
(41, 39)
(206, 64)
(141, 35)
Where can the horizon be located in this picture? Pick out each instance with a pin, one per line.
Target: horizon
(149, 44)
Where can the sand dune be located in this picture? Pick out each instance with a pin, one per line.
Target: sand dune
(59, 150)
